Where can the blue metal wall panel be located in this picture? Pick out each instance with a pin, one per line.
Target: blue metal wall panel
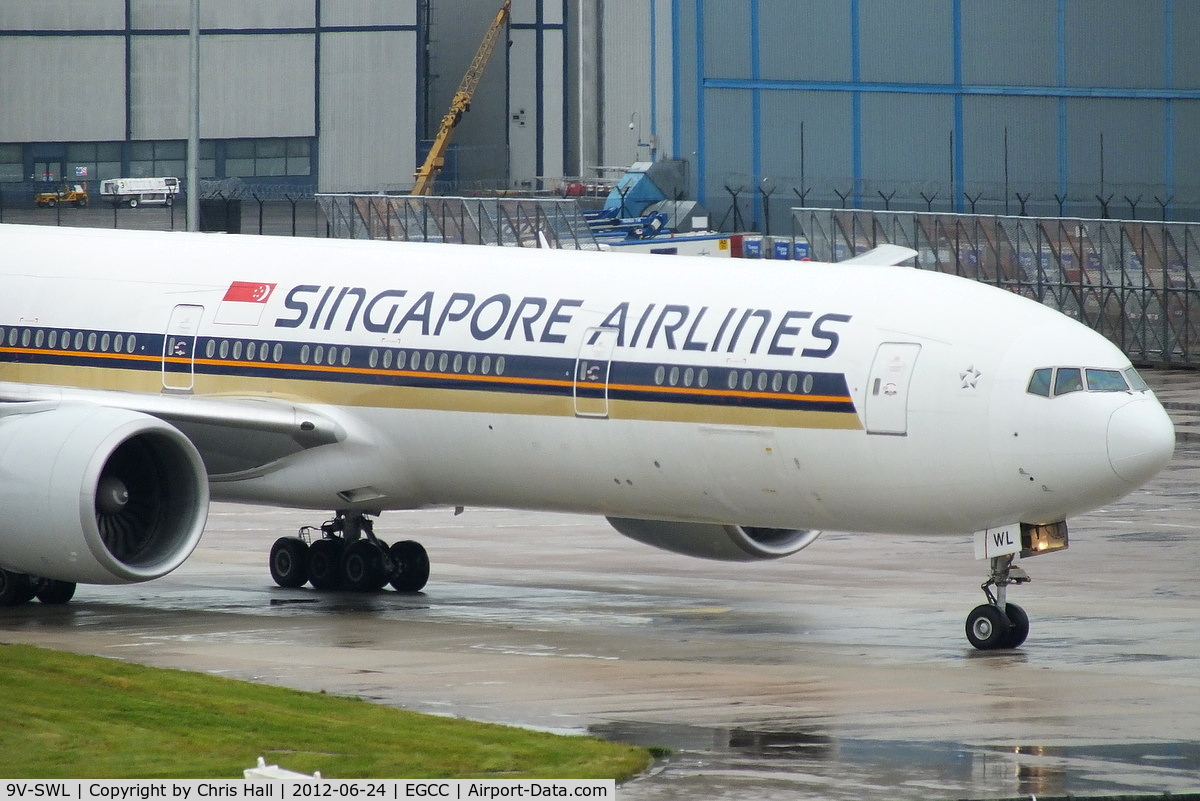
(806, 39)
(1009, 43)
(1114, 43)
(909, 42)
(928, 87)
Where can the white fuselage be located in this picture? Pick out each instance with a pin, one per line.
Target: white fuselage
(797, 395)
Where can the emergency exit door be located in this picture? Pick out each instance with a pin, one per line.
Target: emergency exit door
(179, 347)
(887, 390)
(591, 372)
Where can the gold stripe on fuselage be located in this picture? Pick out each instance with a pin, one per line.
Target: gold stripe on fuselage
(507, 398)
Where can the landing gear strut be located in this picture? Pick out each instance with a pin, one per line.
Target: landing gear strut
(348, 556)
(999, 624)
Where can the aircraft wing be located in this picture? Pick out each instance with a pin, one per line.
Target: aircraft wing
(882, 256)
(233, 434)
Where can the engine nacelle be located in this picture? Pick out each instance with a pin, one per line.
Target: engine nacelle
(97, 495)
(715, 541)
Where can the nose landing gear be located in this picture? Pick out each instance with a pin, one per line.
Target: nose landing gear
(348, 556)
(997, 623)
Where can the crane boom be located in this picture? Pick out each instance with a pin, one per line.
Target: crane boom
(460, 105)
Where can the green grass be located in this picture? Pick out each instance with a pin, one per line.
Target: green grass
(69, 716)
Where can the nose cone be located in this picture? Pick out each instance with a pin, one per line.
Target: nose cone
(1141, 440)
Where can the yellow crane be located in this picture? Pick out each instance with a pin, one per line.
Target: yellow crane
(460, 105)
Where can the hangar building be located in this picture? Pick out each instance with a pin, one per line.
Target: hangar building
(1078, 107)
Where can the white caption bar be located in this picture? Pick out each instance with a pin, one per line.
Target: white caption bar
(305, 788)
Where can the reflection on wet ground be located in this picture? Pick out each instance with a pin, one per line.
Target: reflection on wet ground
(802, 764)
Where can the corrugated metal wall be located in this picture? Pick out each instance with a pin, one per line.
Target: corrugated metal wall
(368, 120)
(66, 77)
(537, 110)
(51, 86)
(626, 77)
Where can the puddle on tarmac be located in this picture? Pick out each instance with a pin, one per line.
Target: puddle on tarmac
(803, 762)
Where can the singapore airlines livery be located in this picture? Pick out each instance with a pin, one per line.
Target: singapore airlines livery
(726, 411)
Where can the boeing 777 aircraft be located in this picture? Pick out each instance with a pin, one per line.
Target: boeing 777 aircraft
(721, 410)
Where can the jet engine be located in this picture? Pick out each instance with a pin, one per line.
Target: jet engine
(95, 495)
(715, 541)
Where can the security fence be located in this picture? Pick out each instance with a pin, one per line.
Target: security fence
(1130, 280)
(520, 222)
(231, 206)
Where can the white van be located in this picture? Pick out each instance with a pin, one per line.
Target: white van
(136, 191)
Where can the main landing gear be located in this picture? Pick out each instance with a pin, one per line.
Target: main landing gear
(18, 588)
(348, 556)
(999, 624)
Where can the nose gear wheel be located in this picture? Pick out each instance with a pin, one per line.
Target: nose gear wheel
(998, 624)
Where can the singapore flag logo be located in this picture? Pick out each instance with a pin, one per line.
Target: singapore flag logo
(243, 303)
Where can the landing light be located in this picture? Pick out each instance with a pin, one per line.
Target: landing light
(1046, 538)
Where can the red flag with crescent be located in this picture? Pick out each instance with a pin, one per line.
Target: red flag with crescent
(248, 292)
(243, 303)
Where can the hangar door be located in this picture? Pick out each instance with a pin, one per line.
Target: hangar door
(887, 391)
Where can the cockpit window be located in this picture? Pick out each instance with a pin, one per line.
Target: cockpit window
(1054, 381)
(1106, 381)
(1039, 382)
(1068, 379)
(1136, 382)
